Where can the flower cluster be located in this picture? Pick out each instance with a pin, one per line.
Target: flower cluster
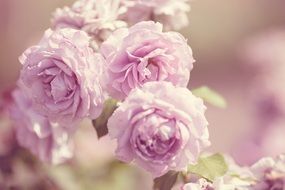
(100, 17)
(124, 50)
(266, 174)
(99, 49)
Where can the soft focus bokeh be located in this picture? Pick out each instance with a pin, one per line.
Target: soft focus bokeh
(236, 44)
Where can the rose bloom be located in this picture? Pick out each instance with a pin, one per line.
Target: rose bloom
(144, 53)
(160, 127)
(96, 17)
(171, 13)
(62, 77)
(48, 141)
(269, 173)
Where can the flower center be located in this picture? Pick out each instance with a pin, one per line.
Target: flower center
(155, 137)
(152, 69)
(58, 84)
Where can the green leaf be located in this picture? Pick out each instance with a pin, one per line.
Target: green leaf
(100, 124)
(210, 96)
(210, 167)
(165, 182)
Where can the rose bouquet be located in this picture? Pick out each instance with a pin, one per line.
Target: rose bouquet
(121, 65)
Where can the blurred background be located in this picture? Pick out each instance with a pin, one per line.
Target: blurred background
(238, 47)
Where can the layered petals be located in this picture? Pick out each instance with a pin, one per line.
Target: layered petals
(160, 127)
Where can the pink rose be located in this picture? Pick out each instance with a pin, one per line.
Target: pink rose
(96, 17)
(171, 13)
(48, 141)
(144, 53)
(160, 127)
(269, 173)
(61, 75)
